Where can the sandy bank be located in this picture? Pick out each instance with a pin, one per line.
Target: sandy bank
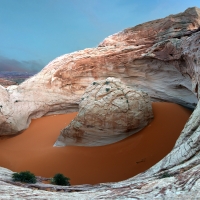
(33, 149)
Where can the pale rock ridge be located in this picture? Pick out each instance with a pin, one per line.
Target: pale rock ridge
(109, 111)
(149, 33)
(165, 78)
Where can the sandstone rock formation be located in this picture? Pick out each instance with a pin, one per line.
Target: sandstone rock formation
(161, 57)
(108, 112)
(153, 57)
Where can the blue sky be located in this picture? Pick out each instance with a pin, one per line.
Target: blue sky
(34, 32)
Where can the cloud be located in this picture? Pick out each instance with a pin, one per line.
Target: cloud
(7, 64)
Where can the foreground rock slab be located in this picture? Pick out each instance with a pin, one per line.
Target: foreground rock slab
(109, 111)
(184, 184)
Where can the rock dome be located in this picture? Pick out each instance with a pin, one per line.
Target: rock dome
(109, 111)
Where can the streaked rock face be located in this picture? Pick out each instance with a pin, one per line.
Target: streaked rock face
(109, 111)
(156, 57)
(161, 57)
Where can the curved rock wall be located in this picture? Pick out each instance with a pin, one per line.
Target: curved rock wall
(165, 64)
(151, 57)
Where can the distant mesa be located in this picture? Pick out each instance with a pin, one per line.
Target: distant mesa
(109, 111)
(15, 78)
(5, 83)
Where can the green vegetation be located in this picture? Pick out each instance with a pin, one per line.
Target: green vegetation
(60, 179)
(26, 177)
(94, 83)
(107, 82)
(107, 89)
(165, 175)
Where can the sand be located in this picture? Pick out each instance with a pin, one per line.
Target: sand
(33, 149)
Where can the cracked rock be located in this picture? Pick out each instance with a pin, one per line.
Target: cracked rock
(109, 111)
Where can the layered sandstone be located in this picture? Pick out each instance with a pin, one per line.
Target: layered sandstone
(109, 111)
(151, 57)
(160, 57)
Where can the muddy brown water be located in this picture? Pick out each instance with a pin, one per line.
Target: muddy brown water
(33, 149)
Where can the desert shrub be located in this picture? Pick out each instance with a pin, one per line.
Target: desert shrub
(165, 175)
(107, 82)
(60, 179)
(26, 177)
(107, 89)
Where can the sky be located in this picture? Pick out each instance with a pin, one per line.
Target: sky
(34, 32)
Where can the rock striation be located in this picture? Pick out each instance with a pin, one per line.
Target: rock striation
(109, 111)
(162, 58)
(153, 57)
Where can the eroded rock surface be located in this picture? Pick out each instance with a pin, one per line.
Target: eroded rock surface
(109, 111)
(153, 57)
(161, 57)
